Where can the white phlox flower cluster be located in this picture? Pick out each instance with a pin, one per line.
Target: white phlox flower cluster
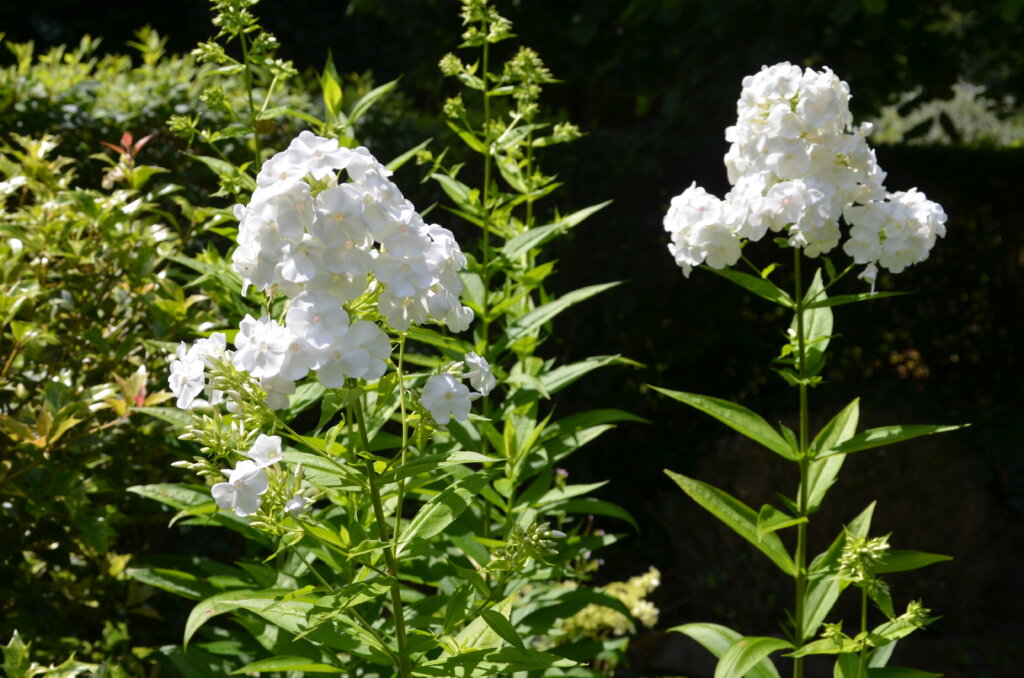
(324, 244)
(188, 371)
(446, 397)
(797, 165)
(249, 481)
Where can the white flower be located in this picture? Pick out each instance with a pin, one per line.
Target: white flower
(246, 482)
(297, 505)
(265, 451)
(263, 346)
(479, 374)
(188, 370)
(445, 397)
(359, 354)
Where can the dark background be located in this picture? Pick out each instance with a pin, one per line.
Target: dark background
(653, 85)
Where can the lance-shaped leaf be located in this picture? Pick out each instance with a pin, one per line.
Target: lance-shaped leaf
(717, 640)
(444, 508)
(746, 653)
(738, 516)
(821, 473)
(285, 663)
(887, 435)
(759, 286)
(901, 561)
(817, 326)
(738, 418)
(537, 317)
(770, 519)
(852, 298)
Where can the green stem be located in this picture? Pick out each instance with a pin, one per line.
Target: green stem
(389, 553)
(863, 632)
(252, 103)
(802, 460)
(405, 438)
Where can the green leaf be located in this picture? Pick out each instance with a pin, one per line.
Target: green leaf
(746, 653)
(852, 298)
(847, 666)
(536, 318)
(738, 418)
(478, 634)
(400, 160)
(500, 625)
(181, 583)
(468, 138)
(717, 639)
(171, 415)
(563, 375)
(825, 646)
(537, 236)
(360, 108)
(16, 662)
(817, 326)
(284, 663)
(901, 561)
(444, 508)
(737, 516)
(821, 473)
(888, 435)
(770, 519)
(761, 287)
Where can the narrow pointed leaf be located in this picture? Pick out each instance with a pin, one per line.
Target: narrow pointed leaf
(852, 298)
(759, 286)
(738, 516)
(285, 663)
(738, 418)
(717, 639)
(444, 508)
(901, 561)
(770, 519)
(888, 435)
(536, 318)
(746, 653)
(500, 625)
(821, 473)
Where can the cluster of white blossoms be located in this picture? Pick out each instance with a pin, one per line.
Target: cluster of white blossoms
(797, 165)
(446, 397)
(324, 244)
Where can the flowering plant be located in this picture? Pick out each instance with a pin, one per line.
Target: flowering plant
(407, 535)
(798, 167)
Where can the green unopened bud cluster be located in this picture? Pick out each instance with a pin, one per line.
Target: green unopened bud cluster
(535, 542)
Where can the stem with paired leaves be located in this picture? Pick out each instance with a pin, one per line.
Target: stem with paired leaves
(390, 553)
(803, 461)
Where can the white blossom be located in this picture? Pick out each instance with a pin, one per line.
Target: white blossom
(445, 398)
(479, 373)
(246, 482)
(266, 451)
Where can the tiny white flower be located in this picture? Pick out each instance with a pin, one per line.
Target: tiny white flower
(246, 482)
(265, 451)
(479, 374)
(297, 505)
(445, 398)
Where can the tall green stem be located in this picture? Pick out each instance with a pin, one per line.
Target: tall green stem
(863, 672)
(257, 151)
(390, 554)
(802, 460)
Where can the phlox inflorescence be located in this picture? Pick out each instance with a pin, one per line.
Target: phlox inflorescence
(354, 260)
(797, 164)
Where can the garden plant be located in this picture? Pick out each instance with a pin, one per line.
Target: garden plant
(798, 166)
(345, 373)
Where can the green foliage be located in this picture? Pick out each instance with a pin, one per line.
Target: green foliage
(86, 308)
(853, 559)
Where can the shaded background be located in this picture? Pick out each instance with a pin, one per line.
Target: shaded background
(653, 85)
